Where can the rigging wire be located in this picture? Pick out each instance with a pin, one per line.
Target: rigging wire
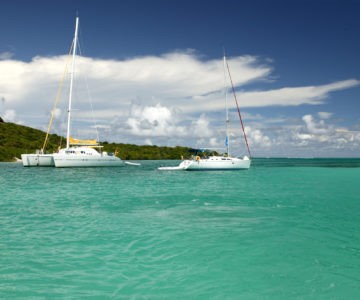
(90, 99)
(227, 140)
(237, 104)
(57, 98)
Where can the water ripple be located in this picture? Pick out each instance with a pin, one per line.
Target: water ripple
(280, 232)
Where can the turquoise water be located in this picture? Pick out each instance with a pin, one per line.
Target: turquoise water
(285, 229)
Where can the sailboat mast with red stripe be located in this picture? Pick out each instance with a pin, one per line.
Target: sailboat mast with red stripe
(237, 105)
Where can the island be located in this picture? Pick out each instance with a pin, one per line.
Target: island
(17, 139)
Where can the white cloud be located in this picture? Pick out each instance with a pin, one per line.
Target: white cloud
(179, 79)
(294, 96)
(317, 138)
(213, 142)
(309, 137)
(200, 127)
(304, 136)
(169, 99)
(6, 55)
(57, 113)
(10, 115)
(257, 138)
(290, 96)
(153, 121)
(148, 142)
(249, 116)
(101, 126)
(160, 121)
(324, 115)
(315, 127)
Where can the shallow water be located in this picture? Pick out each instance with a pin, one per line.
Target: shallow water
(284, 229)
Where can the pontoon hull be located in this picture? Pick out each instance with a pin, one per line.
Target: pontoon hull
(37, 160)
(66, 161)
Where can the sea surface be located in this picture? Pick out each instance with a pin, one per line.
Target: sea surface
(285, 229)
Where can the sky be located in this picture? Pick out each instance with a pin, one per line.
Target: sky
(151, 72)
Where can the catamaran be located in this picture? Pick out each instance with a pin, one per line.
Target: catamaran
(78, 153)
(224, 162)
(82, 153)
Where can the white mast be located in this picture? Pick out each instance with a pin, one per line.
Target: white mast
(227, 141)
(71, 83)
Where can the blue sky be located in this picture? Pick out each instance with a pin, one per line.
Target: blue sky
(295, 63)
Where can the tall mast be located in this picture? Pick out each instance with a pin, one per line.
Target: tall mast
(238, 109)
(227, 140)
(71, 83)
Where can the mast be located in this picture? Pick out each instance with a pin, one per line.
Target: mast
(238, 109)
(227, 140)
(71, 84)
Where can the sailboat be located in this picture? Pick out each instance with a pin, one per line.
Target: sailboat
(82, 153)
(214, 162)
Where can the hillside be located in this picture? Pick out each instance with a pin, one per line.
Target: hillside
(17, 139)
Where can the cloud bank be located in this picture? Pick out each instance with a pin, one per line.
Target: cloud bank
(169, 99)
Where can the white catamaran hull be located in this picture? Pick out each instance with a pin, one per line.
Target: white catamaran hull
(37, 160)
(67, 161)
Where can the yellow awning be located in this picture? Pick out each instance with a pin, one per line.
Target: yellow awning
(73, 141)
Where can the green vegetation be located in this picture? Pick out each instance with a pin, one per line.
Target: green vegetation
(128, 151)
(17, 139)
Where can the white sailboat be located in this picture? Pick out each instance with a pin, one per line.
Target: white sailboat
(217, 163)
(82, 153)
(224, 162)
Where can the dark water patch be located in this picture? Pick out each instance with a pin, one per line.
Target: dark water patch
(307, 162)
